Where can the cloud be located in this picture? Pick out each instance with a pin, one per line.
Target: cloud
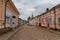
(31, 9)
(36, 7)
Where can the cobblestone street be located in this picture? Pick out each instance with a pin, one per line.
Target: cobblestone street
(34, 33)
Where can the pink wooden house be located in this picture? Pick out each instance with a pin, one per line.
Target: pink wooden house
(11, 16)
(51, 18)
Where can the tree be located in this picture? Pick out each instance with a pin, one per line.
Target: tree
(29, 18)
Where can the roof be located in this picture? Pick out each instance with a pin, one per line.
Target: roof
(57, 6)
(13, 6)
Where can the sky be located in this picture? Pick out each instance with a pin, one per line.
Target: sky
(35, 7)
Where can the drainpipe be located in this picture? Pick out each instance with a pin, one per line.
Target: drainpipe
(4, 11)
(54, 18)
(47, 19)
(39, 22)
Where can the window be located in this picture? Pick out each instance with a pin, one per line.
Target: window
(58, 9)
(46, 21)
(59, 21)
(50, 21)
(13, 16)
(7, 20)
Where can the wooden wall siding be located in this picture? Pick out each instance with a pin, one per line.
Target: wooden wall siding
(8, 22)
(10, 11)
(57, 16)
(1, 15)
(14, 13)
(50, 14)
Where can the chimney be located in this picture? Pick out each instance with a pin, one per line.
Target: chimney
(47, 9)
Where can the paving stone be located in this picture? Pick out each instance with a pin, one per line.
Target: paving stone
(34, 33)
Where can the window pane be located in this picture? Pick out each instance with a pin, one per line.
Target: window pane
(50, 21)
(59, 21)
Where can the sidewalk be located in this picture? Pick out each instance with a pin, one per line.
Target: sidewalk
(6, 36)
(52, 31)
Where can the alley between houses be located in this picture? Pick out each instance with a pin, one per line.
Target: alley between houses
(34, 33)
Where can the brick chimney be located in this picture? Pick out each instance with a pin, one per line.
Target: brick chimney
(47, 9)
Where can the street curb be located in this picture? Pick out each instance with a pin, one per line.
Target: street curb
(55, 32)
(7, 38)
